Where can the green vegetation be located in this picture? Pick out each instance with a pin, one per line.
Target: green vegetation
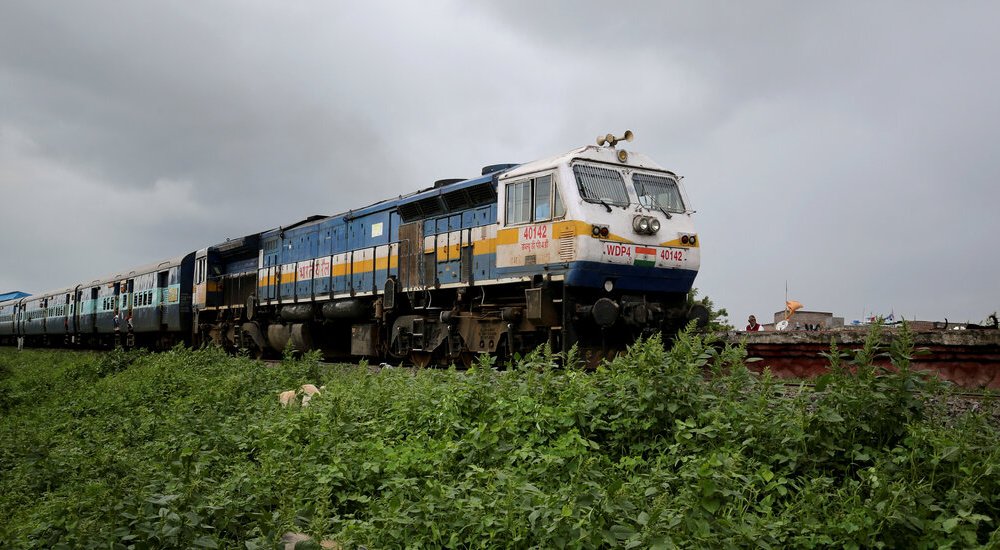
(718, 318)
(190, 449)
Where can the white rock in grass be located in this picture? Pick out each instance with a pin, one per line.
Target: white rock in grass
(287, 398)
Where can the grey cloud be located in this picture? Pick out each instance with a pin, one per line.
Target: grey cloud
(845, 147)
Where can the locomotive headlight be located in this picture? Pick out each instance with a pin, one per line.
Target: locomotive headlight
(640, 224)
(684, 239)
(604, 232)
(596, 231)
(609, 285)
(645, 225)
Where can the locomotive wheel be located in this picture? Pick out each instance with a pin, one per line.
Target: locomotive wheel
(420, 359)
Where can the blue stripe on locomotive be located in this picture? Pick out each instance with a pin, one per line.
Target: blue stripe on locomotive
(625, 277)
(352, 232)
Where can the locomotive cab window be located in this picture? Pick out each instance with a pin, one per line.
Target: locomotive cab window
(600, 185)
(534, 200)
(658, 192)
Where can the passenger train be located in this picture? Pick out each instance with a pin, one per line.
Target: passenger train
(594, 247)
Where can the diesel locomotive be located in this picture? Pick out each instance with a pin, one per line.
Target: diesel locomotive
(595, 248)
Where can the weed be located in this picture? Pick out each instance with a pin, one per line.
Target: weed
(663, 448)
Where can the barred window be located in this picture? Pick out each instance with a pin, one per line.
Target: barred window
(661, 191)
(599, 185)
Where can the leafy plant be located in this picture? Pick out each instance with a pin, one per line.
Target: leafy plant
(663, 448)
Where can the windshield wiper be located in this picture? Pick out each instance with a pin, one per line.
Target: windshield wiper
(606, 205)
(650, 202)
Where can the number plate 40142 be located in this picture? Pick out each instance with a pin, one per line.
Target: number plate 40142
(672, 254)
(535, 232)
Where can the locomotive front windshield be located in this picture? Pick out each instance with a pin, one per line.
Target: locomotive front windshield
(661, 191)
(600, 185)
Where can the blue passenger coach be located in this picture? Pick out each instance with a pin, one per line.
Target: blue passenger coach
(146, 306)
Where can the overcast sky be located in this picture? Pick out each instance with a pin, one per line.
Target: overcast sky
(848, 148)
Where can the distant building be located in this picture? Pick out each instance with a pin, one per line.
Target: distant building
(809, 320)
(822, 320)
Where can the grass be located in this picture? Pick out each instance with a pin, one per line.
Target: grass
(189, 449)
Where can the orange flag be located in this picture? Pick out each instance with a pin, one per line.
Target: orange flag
(791, 306)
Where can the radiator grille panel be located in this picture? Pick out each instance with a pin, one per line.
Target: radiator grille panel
(566, 245)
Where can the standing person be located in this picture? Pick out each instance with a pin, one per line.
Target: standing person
(20, 342)
(753, 326)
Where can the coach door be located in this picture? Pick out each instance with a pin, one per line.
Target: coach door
(92, 313)
(75, 309)
(67, 312)
(163, 293)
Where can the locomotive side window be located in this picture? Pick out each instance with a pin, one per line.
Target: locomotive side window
(534, 200)
(519, 202)
(559, 205)
(600, 185)
(662, 191)
(543, 195)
